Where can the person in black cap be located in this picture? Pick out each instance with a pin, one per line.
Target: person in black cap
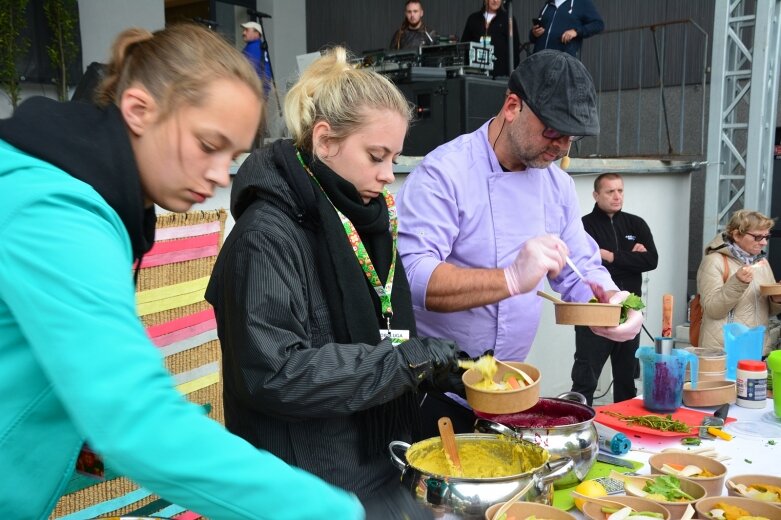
(485, 218)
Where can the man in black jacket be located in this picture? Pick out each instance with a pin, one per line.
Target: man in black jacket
(627, 249)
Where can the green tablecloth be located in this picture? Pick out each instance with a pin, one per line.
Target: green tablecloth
(562, 498)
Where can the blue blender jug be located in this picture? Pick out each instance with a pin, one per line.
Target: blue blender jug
(663, 376)
(741, 342)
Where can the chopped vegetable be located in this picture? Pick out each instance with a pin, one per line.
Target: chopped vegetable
(633, 302)
(691, 441)
(764, 492)
(669, 487)
(655, 422)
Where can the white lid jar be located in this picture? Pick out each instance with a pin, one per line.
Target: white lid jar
(751, 383)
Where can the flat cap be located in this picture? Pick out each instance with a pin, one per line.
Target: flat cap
(559, 90)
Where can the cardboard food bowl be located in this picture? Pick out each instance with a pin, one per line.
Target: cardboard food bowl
(587, 314)
(749, 479)
(754, 507)
(677, 509)
(593, 511)
(709, 393)
(773, 289)
(713, 485)
(526, 509)
(506, 401)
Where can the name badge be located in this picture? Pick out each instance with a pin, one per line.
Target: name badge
(397, 336)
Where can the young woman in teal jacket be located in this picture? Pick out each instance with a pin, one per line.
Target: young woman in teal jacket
(78, 185)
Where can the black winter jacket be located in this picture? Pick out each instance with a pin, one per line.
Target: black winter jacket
(619, 235)
(497, 30)
(288, 387)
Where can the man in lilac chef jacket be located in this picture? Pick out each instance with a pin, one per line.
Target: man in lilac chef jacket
(486, 217)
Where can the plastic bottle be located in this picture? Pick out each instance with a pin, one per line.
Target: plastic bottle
(611, 440)
(751, 383)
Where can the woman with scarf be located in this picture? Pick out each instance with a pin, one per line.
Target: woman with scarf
(737, 299)
(321, 357)
(78, 186)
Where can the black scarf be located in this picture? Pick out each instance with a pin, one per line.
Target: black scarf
(353, 305)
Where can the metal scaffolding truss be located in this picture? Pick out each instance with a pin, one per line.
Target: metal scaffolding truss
(743, 99)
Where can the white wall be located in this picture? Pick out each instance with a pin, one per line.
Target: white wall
(102, 20)
(663, 201)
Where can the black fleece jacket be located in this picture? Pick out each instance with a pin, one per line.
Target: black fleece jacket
(619, 234)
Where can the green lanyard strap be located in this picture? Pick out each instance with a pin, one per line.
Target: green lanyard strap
(364, 261)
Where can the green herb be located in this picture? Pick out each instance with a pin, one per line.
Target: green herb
(655, 422)
(748, 461)
(633, 302)
(691, 441)
(669, 487)
(771, 443)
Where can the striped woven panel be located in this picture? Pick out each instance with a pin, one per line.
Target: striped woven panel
(181, 324)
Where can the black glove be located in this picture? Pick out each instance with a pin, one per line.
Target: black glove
(395, 503)
(435, 363)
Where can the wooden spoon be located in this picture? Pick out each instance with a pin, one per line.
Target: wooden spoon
(506, 506)
(549, 297)
(449, 446)
(526, 377)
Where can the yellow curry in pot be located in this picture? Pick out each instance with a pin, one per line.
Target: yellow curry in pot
(491, 457)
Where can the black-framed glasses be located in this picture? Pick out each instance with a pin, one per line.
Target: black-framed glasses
(550, 133)
(759, 238)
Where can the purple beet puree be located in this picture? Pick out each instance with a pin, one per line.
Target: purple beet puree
(547, 413)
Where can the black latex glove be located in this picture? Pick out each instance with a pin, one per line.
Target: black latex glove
(395, 503)
(443, 353)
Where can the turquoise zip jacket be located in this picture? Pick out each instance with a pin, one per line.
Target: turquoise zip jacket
(75, 361)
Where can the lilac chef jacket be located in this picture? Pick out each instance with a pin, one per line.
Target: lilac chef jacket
(459, 206)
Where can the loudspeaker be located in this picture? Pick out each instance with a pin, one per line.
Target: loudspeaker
(445, 109)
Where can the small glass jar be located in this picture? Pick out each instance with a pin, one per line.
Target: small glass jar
(751, 383)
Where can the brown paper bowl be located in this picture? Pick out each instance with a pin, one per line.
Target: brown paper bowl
(677, 509)
(748, 479)
(754, 507)
(524, 509)
(508, 401)
(709, 393)
(587, 314)
(713, 485)
(773, 289)
(593, 510)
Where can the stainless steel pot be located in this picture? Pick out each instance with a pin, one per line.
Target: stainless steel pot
(469, 498)
(576, 441)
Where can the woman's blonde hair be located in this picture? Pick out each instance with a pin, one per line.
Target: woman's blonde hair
(176, 65)
(331, 90)
(744, 220)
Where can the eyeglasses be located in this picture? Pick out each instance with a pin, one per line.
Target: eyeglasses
(759, 238)
(550, 133)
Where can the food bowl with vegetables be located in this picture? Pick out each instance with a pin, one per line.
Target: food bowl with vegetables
(498, 387)
(735, 508)
(765, 488)
(528, 510)
(639, 509)
(706, 471)
(674, 493)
